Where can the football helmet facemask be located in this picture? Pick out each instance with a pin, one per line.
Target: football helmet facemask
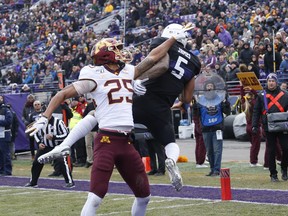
(109, 50)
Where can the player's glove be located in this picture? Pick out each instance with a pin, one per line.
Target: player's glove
(181, 34)
(138, 86)
(34, 127)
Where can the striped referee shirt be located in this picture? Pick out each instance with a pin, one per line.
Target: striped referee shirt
(57, 128)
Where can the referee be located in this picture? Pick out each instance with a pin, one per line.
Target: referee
(47, 138)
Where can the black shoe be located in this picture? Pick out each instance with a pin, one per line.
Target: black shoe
(69, 185)
(79, 164)
(284, 175)
(31, 185)
(274, 178)
(87, 165)
(54, 174)
(159, 174)
(152, 172)
(209, 174)
(215, 174)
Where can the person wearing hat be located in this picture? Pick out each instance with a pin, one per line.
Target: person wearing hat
(277, 101)
(246, 53)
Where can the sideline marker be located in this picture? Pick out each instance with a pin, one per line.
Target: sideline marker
(146, 162)
(225, 184)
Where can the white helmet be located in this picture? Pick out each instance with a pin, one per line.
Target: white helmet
(175, 30)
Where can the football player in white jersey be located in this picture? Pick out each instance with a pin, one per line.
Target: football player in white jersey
(110, 83)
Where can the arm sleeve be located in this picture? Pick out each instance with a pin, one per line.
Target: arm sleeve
(84, 86)
(83, 127)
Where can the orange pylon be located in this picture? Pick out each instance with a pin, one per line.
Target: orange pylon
(146, 162)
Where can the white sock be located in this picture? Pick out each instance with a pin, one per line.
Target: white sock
(91, 205)
(139, 206)
(83, 127)
(172, 151)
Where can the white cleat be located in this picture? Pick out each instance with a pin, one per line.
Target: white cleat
(174, 174)
(199, 166)
(58, 151)
(255, 165)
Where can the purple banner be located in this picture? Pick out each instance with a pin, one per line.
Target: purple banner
(17, 102)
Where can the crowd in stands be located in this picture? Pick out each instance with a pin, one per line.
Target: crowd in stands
(228, 36)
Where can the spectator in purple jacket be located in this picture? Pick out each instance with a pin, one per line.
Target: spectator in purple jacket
(225, 37)
(211, 59)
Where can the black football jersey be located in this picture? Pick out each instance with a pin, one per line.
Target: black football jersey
(183, 66)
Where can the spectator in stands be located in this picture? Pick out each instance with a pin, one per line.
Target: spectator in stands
(113, 29)
(80, 57)
(246, 54)
(269, 65)
(211, 59)
(221, 72)
(283, 86)
(108, 8)
(67, 66)
(129, 38)
(232, 71)
(232, 52)
(48, 78)
(15, 77)
(284, 67)
(75, 73)
(225, 36)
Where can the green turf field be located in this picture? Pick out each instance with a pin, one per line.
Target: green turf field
(30, 202)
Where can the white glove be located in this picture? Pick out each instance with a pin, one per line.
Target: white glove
(34, 127)
(182, 33)
(138, 86)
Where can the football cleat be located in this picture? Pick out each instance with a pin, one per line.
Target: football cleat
(174, 174)
(58, 151)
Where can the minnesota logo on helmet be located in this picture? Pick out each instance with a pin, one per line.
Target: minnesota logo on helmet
(109, 50)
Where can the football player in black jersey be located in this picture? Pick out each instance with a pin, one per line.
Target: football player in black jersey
(153, 109)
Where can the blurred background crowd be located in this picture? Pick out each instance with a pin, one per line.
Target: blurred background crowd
(39, 39)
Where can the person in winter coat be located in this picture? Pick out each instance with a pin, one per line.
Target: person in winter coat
(277, 101)
(246, 54)
(225, 37)
(27, 110)
(5, 139)
(268, 60)
(284, 67)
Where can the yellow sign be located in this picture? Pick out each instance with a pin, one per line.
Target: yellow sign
(249, 79)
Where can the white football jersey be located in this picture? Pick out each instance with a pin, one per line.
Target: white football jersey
(112, 96)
